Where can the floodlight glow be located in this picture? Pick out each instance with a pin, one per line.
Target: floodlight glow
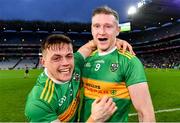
(132, 10)
(140, 4)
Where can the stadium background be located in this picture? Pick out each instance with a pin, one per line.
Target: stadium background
(154, 35)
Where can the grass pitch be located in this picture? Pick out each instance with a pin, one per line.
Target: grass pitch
(164, 87)
(13, 91)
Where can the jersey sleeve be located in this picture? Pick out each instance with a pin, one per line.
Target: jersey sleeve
(79, 60)
(39, 111)
(135, 72)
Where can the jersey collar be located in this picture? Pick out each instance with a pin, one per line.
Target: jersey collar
(108, 52)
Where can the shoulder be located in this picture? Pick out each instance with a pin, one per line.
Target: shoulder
(38, 111)
(94, 53)
(78, 57)
(127, 57)
(127, 54)
(43, 88)
(39, 101)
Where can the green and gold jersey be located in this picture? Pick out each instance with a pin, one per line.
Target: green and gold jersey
(110, 74)
(49, 101)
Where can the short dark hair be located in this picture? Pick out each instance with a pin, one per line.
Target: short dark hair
(55, 39)
(106, 10)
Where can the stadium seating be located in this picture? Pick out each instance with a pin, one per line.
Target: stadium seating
(156, 47)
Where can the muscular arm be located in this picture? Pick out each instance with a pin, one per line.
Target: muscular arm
(141, 100)
(89, 47)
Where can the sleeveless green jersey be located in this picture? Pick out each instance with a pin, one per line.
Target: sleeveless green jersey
(110, 74)
(49, 101)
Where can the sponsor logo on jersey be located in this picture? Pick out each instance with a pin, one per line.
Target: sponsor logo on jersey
(62, 100)
(100, 61)
(88, 64)
(114, 67)
(93, 86)
(97, 88)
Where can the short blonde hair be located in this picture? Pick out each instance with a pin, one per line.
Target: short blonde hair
(106, 10)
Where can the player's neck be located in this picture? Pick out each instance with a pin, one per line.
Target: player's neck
(107, 52)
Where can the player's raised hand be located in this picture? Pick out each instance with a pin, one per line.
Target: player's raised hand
(124, 45)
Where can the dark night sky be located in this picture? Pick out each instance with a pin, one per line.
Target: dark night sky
(59, 10)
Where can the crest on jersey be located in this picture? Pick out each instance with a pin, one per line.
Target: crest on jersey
(76, 76)
(114, 67)
(113, 92)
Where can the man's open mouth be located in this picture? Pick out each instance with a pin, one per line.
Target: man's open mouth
(67, 70)
(102, 39)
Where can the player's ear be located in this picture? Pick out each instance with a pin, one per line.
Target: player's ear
(42, 61)
(118, 30)
(117, 33)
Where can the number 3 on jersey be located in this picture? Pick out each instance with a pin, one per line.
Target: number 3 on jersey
(97, 67)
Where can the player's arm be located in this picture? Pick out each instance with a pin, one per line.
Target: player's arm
(39, 111)
(141, 100)
(102, 109)
(89, 47)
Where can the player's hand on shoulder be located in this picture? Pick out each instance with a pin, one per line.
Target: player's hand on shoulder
(124, 45)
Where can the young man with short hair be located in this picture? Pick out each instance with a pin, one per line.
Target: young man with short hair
(109, 72)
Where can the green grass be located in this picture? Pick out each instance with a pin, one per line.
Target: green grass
(13, 91)
(164, 87)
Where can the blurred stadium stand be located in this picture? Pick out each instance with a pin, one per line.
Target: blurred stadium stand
(155, 37)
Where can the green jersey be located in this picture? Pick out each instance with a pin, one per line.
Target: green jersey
(110, 74)
(49, 100)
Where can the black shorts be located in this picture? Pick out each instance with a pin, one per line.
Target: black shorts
(26, 71)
